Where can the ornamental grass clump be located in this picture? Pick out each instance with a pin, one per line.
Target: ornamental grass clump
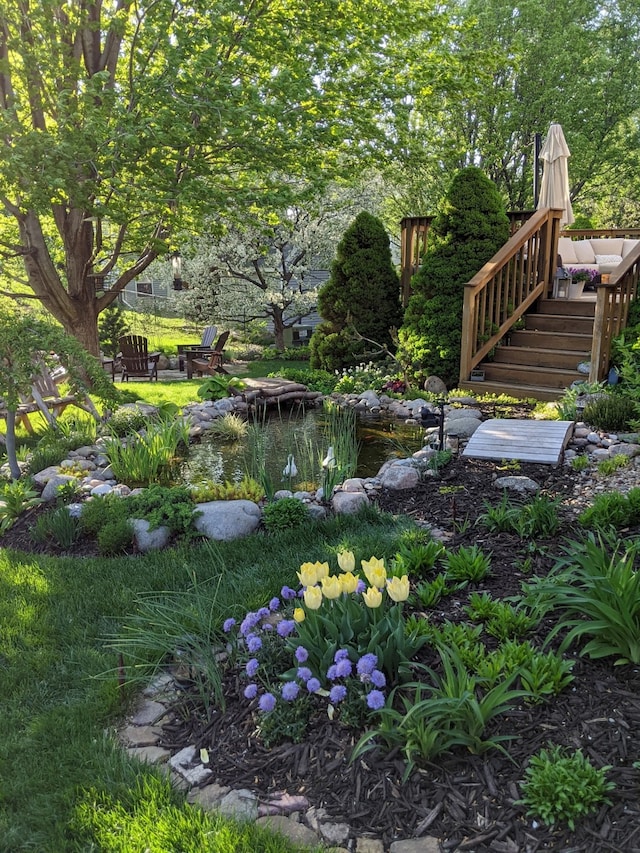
(339, 637)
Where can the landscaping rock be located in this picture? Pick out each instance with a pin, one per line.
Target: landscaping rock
(209, 797)
(296, 832)
(241, 804)
(517, 484)
(149, 540)
(348, 503)
(226, 520)
(416, 845)
(435, 385)
(148, 713)
(149, 754)
(50, 491)
(400, 477)
(465, 427)
(181, 763)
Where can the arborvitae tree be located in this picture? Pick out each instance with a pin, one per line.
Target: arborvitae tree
(469, 229)
(362, 294)
(112, 325)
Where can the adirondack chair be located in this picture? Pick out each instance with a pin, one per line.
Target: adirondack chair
(213, 361)
(45, 397)
(135, 359)
(206, 344)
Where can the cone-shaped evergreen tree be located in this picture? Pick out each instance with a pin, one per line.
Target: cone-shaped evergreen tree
(363, 292)
(469, 229)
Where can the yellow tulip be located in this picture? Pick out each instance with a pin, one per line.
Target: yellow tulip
(348, 582)
(307, 574)
(322, 570)
(313, 597)
(299, 615)
(331, 587)
(346, 561)
(375, 572)
(398, 588)
(372, 597)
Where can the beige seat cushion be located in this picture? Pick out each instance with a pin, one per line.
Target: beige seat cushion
(566, 250)
(627, 246)
(607, 246)
(584, 252)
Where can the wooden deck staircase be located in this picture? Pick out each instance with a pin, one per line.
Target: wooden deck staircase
(541, 360)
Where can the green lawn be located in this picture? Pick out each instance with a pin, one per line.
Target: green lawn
(64, 783)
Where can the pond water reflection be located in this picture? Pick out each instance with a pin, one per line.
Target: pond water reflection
(301, 434)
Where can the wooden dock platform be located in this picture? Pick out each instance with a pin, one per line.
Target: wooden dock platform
(526, 440)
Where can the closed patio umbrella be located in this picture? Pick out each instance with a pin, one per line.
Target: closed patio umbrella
(554, 188)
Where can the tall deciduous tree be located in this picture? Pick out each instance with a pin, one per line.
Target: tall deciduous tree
(529, 64)
(118, 119)
(266, 266)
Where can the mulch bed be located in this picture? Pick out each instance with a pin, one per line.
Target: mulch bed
(467, 801)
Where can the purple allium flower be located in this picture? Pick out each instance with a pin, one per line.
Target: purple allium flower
(254, 643)
(300, 592)
(287, 593)
(344, 668)
(268, 702)
(252, 667)
(360, 586)
(301, 654)
(267, 626)
(375, 700)
(249, 623)
(274, 604)
(263, 612)
(337, 693)
(228, 624)
(367, 664)
(332, 672)
(377, 678)
(290, 691)
(304, 673)
(312, 685)
(251, 691)
(341, 654)
(286, 627)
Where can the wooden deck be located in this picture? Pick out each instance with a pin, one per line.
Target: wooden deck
(525, 440)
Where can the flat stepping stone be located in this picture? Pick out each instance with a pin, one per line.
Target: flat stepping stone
(526, 440)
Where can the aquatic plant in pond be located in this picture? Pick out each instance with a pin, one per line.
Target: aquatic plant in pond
(263, 453)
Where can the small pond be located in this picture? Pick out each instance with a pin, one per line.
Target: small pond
(301, 434)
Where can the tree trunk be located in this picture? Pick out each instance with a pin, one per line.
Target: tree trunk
(278, 328)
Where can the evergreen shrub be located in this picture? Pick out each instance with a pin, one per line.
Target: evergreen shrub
(469, 229)
(362, 293)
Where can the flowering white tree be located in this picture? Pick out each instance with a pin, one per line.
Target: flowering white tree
(266, 268)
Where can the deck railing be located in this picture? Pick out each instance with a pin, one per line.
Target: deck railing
(612, 309)
(507, 285)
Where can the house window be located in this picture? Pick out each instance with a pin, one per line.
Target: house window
(143, 288)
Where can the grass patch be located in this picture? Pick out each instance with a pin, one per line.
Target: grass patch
(64, 784)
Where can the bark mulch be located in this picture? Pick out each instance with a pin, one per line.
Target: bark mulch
(467, 801)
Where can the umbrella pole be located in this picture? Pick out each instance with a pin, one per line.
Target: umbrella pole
(537, 144)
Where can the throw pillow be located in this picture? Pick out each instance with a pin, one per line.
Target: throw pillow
(608, 259)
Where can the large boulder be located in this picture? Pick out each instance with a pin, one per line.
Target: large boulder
(225, 520)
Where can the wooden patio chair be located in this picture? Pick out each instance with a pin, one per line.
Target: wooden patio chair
(135, 359)
(206, 344)
(45, 398)
(213, 361)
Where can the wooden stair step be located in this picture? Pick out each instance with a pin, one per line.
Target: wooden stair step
(566, 359)
(519, 390)
(550, 377)
(559, 323)
(567, 307)
(551, 340)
